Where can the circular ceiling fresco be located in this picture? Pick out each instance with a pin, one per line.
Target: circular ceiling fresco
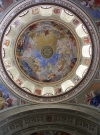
(46, 51)
(50, 51)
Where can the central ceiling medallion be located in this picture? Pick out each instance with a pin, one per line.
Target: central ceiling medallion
(46, 52)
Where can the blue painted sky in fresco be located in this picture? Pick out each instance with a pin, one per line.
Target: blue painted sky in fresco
(92, 7)
(95, 13)
(44, 62)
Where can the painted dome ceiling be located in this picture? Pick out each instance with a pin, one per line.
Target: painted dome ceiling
(46, 51)
(49, 50)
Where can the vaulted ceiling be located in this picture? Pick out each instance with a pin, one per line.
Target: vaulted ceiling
(50, 53)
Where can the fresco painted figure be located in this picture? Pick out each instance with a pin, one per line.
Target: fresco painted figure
(93, 98)
(50, 133)
(6, 99)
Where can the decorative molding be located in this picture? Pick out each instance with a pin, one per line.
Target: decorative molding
(49, 117)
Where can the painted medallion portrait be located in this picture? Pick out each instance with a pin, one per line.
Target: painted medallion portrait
(46, 51)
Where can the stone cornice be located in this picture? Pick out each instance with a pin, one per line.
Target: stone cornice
(69, 117)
